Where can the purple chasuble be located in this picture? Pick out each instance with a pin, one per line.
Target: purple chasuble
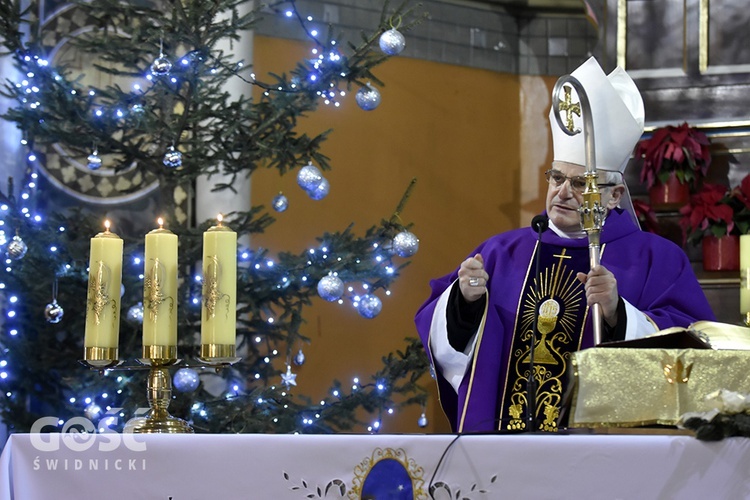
(653, 274)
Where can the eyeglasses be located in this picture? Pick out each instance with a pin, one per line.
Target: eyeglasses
(577, 182)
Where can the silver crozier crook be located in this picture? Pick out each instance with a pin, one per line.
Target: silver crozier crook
(591, 210)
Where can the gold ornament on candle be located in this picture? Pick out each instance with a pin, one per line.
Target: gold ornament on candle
(98, 290)
(154, 296)
(159, 295)
(211, 293)
(218, 314)
(102, 331)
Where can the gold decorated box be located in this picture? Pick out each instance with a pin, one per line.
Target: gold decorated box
(646, 386)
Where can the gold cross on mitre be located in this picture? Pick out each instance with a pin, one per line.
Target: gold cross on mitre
(570, 109)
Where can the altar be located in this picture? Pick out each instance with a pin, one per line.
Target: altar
(260, 466)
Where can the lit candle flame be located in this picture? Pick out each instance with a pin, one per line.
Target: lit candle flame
(106, 225)
(219, 218)
(160, 221)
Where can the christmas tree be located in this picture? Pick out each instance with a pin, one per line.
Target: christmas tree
(176, 125)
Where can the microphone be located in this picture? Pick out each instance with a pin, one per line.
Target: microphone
(539, 224)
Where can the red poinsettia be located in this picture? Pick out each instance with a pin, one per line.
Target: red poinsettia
(683, 150)
(739, 199)
(709, 212)
(742, 192)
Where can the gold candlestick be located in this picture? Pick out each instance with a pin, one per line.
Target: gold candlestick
(159, 386)
(159, 393)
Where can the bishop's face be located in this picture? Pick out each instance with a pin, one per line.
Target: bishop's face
(563, 200)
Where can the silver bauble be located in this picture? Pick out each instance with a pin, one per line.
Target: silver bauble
(186, 380)
(309, 177)
(369, 306)
(94, 161)
(280, 203)
(392, 42)
(422, 422)
(172, 158)
(16, 248)
(330, 288)
(135, 314)
(405, 244)
(368, 98)
(53, 313)
(321, 191)
(161, 66)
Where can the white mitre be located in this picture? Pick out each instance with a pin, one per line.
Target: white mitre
(618, 119)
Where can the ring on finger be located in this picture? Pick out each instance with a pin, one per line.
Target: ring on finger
(473, 281)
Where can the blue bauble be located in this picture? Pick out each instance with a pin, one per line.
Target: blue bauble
(172, 158)
(321, 191)
(94, 161)
(299, 359)
(186, 380)
(368, 98)
(280, 203)
(369, 306)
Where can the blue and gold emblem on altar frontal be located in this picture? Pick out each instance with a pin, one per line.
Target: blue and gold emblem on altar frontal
(387, 474)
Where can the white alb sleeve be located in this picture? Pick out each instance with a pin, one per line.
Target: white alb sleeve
(638, 325)
(451, 363)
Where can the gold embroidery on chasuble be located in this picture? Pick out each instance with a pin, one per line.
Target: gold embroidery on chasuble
(562, 313)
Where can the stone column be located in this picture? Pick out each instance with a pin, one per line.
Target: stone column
(12, 159)
(208, 202)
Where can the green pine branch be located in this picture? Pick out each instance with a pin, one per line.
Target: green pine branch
(218, 132)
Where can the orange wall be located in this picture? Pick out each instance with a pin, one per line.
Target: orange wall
(457, 131)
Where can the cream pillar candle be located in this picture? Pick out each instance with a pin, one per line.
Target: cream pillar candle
(219, 308)
(102, 331)
(745, 276)
(160, 295)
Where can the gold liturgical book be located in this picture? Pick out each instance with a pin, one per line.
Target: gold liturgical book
(656, 379)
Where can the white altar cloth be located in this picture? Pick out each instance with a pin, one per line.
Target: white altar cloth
(270, 467)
